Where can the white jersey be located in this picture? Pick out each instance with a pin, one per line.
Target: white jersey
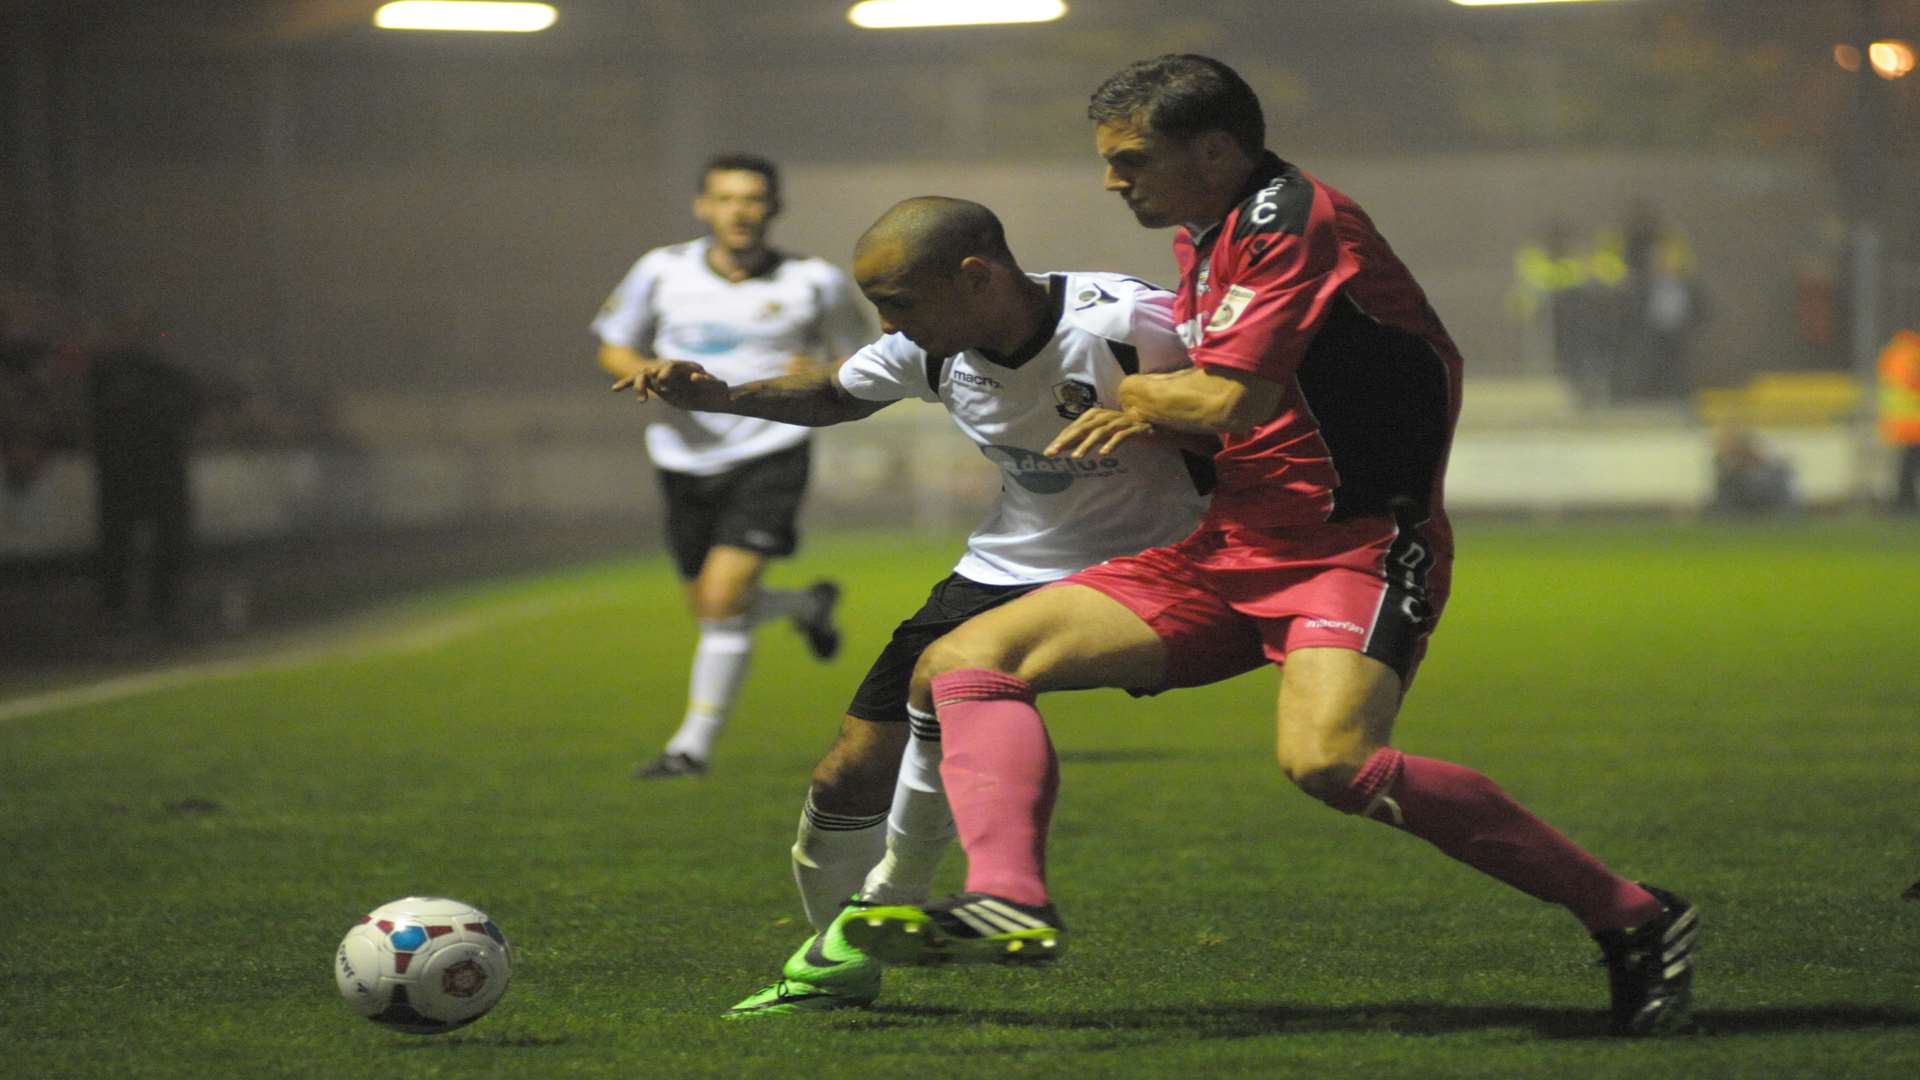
(673, 305)
(1056, 515)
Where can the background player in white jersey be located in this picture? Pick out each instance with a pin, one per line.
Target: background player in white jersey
(1014, 358)
(732, 484)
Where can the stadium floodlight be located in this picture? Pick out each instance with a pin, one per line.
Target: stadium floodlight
(1890, 59)
(900, 14)
(1506, 3)
(494, 17)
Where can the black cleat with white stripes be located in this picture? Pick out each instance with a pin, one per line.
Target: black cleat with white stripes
(1650, 968)
(966, 928)
(819, 629)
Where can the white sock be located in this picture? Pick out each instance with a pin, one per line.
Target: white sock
(782, 604)
(920, 825)
(830, 855)
(719, 667)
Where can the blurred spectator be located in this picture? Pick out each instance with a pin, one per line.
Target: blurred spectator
(1570, 298)
(1665, 306)
(24, 413)
(1750, 478)
(1617, 312)
(29, 413)
(142, 406)
(1900, 414)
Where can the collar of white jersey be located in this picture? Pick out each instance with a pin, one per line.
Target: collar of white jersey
(1043, 336)
(775, 260)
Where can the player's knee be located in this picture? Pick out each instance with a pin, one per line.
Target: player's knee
(920, 690)
(714, 600)
(1322, 775)
(959, 651)
(857, 776)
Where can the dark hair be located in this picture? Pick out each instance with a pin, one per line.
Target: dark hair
(752, 163)
(1183, 95)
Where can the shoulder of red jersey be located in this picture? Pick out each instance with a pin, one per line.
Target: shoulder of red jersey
(1280, 206)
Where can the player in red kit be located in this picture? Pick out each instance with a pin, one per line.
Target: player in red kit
(1334, 389)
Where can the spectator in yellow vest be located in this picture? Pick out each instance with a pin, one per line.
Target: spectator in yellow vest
(1900, 413)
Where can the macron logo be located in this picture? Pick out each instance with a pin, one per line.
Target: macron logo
(961, 376)
(1335, 624)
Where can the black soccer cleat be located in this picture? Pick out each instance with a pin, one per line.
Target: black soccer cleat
(1650, 968)
(822, 634)
(1913, 891)
(670, 766)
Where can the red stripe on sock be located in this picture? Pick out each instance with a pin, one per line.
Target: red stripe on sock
(980, 684)
(1379, 774)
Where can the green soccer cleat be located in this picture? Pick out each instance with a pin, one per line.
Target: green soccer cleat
(823, 975)
(967, 928)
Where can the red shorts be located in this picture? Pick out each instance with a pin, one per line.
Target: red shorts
(1228, 600)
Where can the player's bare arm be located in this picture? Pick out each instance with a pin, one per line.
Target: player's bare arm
(811, 398)
(1188, 406)
(1211, 401)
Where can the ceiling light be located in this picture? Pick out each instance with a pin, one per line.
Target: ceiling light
(897, 14)
(1504, 3)
(1890, 59)
(448, 15)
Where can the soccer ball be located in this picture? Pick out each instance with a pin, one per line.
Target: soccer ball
(423, 965)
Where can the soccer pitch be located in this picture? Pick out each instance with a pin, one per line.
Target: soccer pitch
(1727, 710)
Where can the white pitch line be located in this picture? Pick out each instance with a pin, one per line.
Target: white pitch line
(428, 635)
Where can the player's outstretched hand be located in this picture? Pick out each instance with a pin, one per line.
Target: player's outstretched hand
(1097, 431)
(677, 382)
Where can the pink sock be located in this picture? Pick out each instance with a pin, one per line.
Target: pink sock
(1467, 816)
(1001, 776)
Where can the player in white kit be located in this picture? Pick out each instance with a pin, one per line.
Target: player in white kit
(732, 485)
(1014, 358)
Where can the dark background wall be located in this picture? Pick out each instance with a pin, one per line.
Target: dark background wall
(308, 200)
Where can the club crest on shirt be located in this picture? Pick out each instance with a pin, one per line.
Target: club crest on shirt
(1073, 397)
(1231, 305)
(1091, 295)
(770, 309)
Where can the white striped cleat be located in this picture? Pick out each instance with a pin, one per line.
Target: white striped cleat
(1650, 969)
(967, 928)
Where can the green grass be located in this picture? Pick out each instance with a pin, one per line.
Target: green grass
(1727, 710)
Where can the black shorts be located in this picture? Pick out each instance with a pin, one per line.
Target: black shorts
(751, 506)
(883, 693)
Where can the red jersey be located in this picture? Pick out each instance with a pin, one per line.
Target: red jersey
(1296, 286)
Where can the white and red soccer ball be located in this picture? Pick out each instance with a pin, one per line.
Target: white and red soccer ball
(423, 965)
